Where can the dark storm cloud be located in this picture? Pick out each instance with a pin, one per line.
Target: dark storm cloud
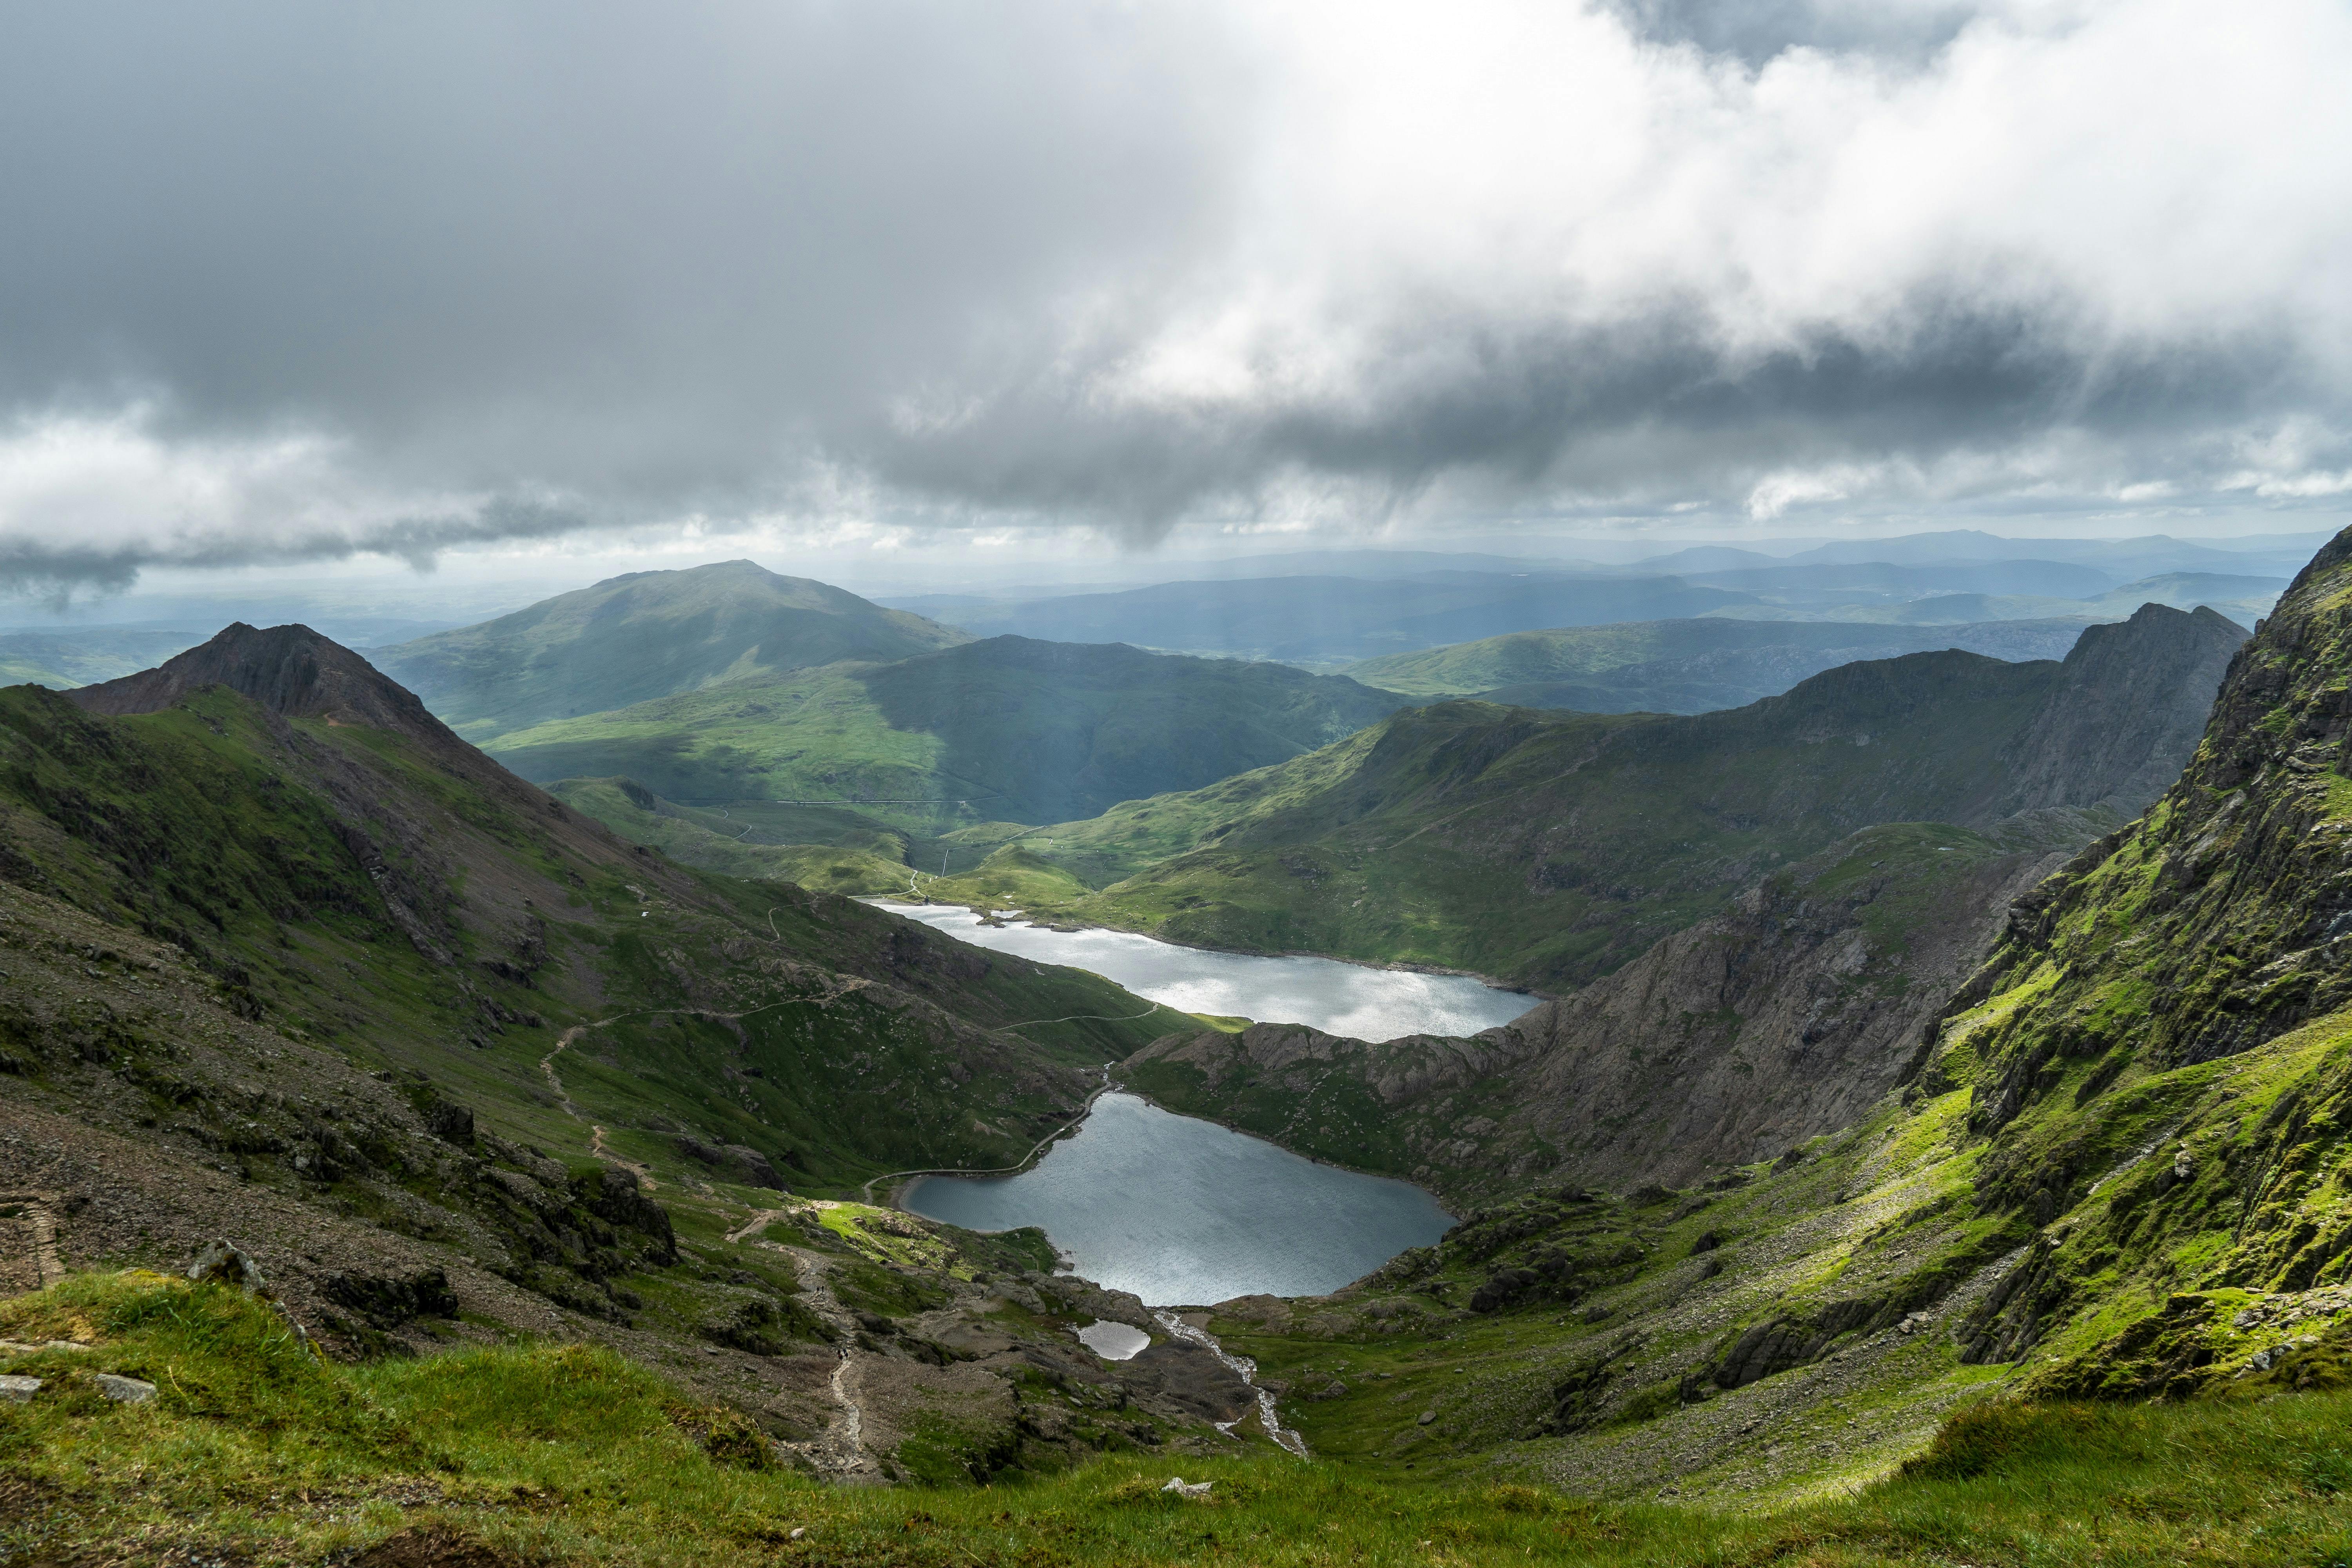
(1656, 408)
(285, 281)
(620, 245)
(1755, 31)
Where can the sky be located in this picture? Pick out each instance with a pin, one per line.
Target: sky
(441, 296)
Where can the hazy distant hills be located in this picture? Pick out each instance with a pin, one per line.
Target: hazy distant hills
(1008, 729)
(644, 636)
(1685, 666)
(1325, 621)
(1551, 848)
(1314, 619)
(65, 659)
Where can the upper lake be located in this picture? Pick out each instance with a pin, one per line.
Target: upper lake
(1184, 1211)
(1351, 999)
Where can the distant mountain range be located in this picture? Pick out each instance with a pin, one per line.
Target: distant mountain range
(1322, 620)
(1684, 667)
(1334, 621)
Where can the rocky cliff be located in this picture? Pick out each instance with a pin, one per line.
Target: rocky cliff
(289, 670)
(2130, 702)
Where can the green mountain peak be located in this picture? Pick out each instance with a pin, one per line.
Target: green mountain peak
(647, 634)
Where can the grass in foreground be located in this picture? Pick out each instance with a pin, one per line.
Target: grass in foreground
(254, 1448)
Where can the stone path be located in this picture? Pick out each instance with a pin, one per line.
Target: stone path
(31, 1260)
(841, 1453)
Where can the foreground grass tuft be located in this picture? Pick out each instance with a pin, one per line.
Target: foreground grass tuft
(254, 1447)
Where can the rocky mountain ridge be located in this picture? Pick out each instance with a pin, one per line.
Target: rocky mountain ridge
(1547, 849)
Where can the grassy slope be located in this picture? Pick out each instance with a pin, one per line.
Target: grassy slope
(1006, 729)
(643, 635)
(564, 1454)
(858, 857)
(204, 827)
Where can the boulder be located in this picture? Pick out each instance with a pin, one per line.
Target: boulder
(734, 1162)
(125, 1389)
(222, 1264)
(388, 1301)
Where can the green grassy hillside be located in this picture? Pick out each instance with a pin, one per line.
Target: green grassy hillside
(852, 853)
(1006, 729)
(535, 1453)
(1547, 848)
(644, 636)
(400, 897)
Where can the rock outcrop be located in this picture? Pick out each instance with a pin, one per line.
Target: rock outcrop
(289, 670)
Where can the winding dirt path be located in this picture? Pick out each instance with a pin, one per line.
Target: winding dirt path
(841, 1453)
(595, 1133)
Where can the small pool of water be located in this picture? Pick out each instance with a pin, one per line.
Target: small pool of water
(1115, 1342)
(1351, 999)
(1184, 1211)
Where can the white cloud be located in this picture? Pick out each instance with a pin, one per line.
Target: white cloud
(912, 268)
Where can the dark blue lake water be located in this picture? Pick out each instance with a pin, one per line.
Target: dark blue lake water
(1185, 1212)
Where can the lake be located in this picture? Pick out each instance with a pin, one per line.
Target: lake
(1351, 999)
(1184, 1211)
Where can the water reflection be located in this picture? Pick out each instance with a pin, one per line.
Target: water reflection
(1180, 1211)
(1348, 999)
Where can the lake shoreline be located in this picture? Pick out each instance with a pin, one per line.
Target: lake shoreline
(895, 1193)
(1310, 1158)
(1351, 999)
(1391, 966)
(1177, 1208)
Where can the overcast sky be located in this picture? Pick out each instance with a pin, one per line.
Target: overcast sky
(281, 283)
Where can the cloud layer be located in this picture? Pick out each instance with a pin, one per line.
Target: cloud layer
(293, 282)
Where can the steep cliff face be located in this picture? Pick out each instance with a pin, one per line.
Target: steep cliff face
(1785, 1019)
(2158, 1058)
(2218, 920)
(2130, 704)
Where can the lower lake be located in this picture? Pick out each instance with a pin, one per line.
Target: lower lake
(1183, 1212)
(1351, 999)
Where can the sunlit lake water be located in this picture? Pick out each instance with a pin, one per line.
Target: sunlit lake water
(1183, 1212)
(1348, 999)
